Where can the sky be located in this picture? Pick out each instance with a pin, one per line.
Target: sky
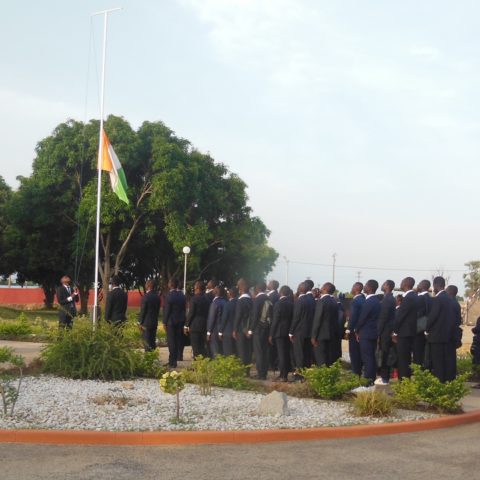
(355, 124)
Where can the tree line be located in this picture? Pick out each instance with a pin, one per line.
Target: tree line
(178, 196)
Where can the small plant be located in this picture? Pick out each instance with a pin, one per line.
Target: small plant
(405, 394)
(149, 365)
(373, 403)
(229, 372)
(202, 374)
(9, 392)
(173, 383)
(18, 328)
(464, 365)
(331, 382)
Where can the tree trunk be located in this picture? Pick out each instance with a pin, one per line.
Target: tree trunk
(84, 294)
(49, 291)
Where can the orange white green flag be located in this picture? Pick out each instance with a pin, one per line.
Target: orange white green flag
(111, 164)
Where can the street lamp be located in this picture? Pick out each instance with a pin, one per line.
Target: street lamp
(186, 251)
(287, 261)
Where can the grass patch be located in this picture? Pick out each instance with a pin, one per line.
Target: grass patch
(373, 403)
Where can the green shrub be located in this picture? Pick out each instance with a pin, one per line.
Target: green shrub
(405, 394)
(201, 373)
(103, 353)
(9, 383)
(373, 403)
(149, 365)
(464, 365)
(15, 328)
(446, 396)
(331, 382)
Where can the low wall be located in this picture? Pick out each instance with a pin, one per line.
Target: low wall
(35, 296)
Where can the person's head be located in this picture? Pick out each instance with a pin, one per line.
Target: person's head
(301, 288)
(199, 287)
(174, 283)
(388, 286)
(211, 284)
(438, 284)
(232, 292)
(399, 299)
(65, 280)
(316, 292)
(285, 291)
(452, 290)
(327, 289)
(273, 285)
(116, 282)
(308, 284)
(407, 284)
(423, 286)
(219, 291)
(260, 287)
(370, 287)
(149, 285)
(357, 288)
(242, 286)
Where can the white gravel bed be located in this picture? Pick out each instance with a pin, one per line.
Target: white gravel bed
(56, 403)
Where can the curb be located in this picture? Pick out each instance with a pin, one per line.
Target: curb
(83, 437)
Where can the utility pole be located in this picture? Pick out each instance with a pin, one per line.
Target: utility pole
(359, 274)
(334, 256)
(287, 261)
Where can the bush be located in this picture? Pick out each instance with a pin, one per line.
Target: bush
(9, 384)
(87, 354)
(331, 382)
(15, 328)
(464, 365)
(202, 374)
(373, 403)
(149, 365)
(405, 394)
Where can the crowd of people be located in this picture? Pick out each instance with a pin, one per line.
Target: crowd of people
(284, 331)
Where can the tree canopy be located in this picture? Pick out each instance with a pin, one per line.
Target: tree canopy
(178, 196)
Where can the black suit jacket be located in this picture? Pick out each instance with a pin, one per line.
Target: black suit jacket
(67, 308)
(243, 313)
(405, 324)
(385, 321)
(174, 310)
(325, 322)
(282, 318)
(198, 313)
(258, 303)
(149, 310)
(424, 304)
(116, 306)
(303, 312)
(368, 321)
(228, 317)
(439, 323)
(273, 296)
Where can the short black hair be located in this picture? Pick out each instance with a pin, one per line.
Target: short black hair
(410, 282)
(116, 281)
(309, 284)
(174, 282)
(275, 284)
(330, 288)
(452, 290)
(261, 286)
(373, 285)
(425, 285)
(391, 284)
(439, 282)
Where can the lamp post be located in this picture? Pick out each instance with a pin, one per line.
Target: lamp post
(186, 251)
(287, 261)
(334, 256)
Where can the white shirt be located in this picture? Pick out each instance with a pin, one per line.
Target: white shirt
(260, 293)
(407, 292)
(371, 295)
(423, 293)
(326, 295)
(244, 295)
(358, 295)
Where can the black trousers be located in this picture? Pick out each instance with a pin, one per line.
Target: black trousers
(367, 351)
(149, 337)
(229, 345)
(451, 363)
(437, 361)
(244, 349)
(260, 350)
(175, 343)
(355, 356)
(326, 352)
(197, 339)
(419, 342)
(404, 356)
(302, 352)
(282, 345)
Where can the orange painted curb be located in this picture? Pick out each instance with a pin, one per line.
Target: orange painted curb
(89, 437)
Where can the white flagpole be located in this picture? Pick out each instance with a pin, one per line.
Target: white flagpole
(100, 153)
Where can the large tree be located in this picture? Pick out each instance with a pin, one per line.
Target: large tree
(5, 195)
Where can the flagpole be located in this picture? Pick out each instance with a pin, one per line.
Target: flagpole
(100, 153)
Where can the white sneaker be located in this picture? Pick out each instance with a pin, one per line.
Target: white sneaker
(381, 381)
(362, 389)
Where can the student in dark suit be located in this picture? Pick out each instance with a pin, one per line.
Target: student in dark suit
(174, 321)
(116, 304)
(148, 317)
(282, 318)
(366, 331)
(214, 320)
(475, 348)
(210, 290)
(196, 323)
(355, 311)
(457, 332)
(423, 308)
(273, 295)
(261, 320)
(301, 329)
(66, 298)
(405, 327)
(386, 319)
(225, 331)
(272, 291)
(439, 330)
(325, 328)
(243, 313)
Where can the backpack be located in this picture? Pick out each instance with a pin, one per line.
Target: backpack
(266, 314)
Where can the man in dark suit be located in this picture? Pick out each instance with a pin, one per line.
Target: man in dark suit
(386, 319)
(282, 318)
(355, 311)
(174, 321)
(273, 295)
(405, 328)
(66, 298)
(225, 333)
(423, 309)
(261, 320)
(209, 292)
(301, 329)
(272, 291)
(439, 330)
(116, 304)
(148, 317)
(366, 331)
(457, 332)
(196, 323)
(214, 320)
(325, 328)
(241, 326)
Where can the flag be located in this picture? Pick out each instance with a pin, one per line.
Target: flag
(111, 164)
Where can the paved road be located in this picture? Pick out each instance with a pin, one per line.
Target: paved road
(441, 454)
(29, 350)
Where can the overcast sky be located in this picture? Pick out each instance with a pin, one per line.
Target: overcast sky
(354, 123)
